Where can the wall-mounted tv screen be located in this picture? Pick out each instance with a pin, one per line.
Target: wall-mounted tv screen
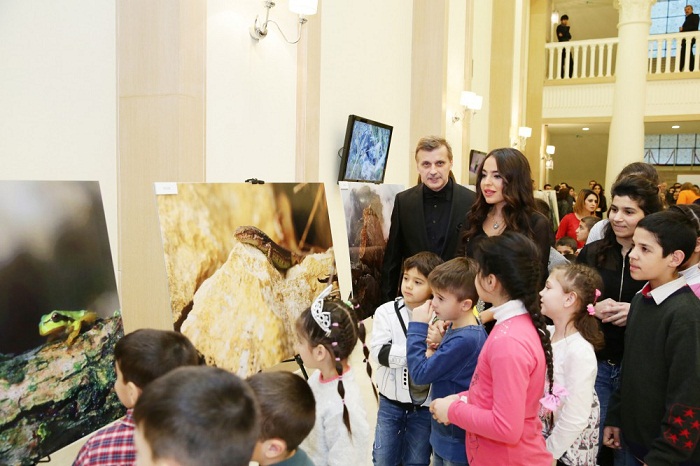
(365, 151)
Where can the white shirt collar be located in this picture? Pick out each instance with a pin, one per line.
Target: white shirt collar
(690, 273)
(664, 291)
(507, 310)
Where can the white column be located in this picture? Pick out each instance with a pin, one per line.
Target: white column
(626, 142)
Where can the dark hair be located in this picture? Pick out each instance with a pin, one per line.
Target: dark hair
(640, 169)
(456, 276)
(199, 415)
(287, 406)
(642, 191)
(345, 331)
(563, 17)
(517, 193)
(579, 207)
(146, 354)
(590, 220)
(567, 241)
(514, 259)
(424, 262)
(692, 211)
(542, 207)
(584, 281)
(673, 231)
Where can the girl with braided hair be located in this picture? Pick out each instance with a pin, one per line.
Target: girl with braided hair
(572, 414)
(328, 332)
(500, 410)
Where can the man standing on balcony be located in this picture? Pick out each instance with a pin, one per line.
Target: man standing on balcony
(690, 24)
(564, 35)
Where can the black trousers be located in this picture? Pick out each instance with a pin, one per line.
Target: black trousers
(692, 55)
(563, 64)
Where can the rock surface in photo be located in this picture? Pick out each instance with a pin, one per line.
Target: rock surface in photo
(243, 316)
(197, 227)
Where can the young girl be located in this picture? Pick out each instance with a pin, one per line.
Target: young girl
(571, 290)
(691, 267)
(500, 410)
(328, 333)
(584, 228)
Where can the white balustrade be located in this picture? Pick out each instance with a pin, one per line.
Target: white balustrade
(595, 58)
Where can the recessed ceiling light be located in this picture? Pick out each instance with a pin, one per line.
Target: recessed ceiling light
(675, 127)
(585, 129)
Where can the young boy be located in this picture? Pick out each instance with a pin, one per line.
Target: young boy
(656, 411)
(566, 246)
(196, 416)
(139, 358)
(287, 415)
(403, 420)
(450, 367)
(584, 228)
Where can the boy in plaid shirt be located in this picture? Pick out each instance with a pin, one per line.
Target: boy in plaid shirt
(139, 358)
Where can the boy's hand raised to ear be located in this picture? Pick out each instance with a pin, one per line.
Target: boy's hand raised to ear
(424, 312)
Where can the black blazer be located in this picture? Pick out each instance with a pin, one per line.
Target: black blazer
(408, 236)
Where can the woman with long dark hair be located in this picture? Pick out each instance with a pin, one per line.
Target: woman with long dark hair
(505, 202)
(602, 201)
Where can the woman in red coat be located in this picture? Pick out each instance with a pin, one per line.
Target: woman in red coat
(586, 203)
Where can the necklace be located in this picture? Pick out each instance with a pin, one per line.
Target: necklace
(497, 224)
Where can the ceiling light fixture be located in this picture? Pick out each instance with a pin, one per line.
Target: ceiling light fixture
(585, 129)
(675, 127)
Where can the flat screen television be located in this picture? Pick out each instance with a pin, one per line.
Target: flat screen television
(366, 150)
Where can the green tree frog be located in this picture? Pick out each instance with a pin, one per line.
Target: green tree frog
(69, 322)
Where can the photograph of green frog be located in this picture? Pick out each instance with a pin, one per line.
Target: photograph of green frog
(59, 317)
(243, 261)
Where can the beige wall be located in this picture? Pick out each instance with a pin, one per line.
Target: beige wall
(58, 110)
(579, 158)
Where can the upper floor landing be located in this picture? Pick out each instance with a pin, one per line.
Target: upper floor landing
(579, 77)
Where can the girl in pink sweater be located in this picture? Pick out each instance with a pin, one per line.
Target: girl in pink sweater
(500, 410)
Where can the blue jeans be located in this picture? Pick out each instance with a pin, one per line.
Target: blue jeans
(606, 382)
(402, 436)
(629, 459)
(439, 461)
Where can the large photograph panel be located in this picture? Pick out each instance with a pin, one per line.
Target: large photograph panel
(243, 261)
(367, 210)
(59, 318)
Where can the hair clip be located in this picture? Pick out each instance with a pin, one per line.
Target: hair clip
(335, 343)
(322, 318)
(591, 307)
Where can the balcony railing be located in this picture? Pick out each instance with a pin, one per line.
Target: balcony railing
(595, 58)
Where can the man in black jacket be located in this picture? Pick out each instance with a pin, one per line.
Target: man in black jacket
(428, 216)
(690, 24)
(564, 35)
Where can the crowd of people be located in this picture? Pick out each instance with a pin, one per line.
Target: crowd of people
(492, 348)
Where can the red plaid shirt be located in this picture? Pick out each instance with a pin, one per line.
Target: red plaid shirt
(111, 446)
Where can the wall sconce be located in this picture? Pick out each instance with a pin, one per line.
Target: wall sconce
(548, 161)
(471, 102)
(524, 133)
(300, 7)
(555, 17)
